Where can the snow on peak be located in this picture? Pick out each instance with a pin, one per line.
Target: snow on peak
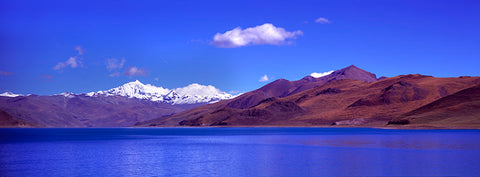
(191, 94)
(196, 93)
(134, 89)
(197, 89)
(318, 75)
(10, 94)
(67, 94)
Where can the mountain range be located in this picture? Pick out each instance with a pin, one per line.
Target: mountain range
(347, 97)
(191, 94)
(118, 107)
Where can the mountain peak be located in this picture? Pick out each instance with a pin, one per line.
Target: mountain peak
(10, 94)
(191, 94)
(352, 72)
(136, 82)
(353, 66)
(197, 89)
(309, 78)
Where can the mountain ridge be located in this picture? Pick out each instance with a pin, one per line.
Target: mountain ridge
(282, 87)
(347, 97)
(191, 94)
(118, 107)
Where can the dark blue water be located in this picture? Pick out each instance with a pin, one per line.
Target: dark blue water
(238, 152)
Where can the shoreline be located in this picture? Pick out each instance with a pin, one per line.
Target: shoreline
(419, 127)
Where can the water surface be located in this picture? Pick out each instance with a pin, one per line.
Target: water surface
(238, 152)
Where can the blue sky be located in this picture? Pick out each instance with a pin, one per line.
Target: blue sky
(49, 47)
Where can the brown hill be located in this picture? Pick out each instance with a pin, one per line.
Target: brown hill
(461, 109)
(337, 101)
(282, 88)
(277, 89)
(361, 103)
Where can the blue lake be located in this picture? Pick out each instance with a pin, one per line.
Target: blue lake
(238, 152)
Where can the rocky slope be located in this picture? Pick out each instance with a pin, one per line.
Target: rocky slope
(461, 109)
(7, 120)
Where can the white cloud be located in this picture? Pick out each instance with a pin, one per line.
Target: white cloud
(73, 62)
(322, 20)
(80, 50)
(264, 78)
(258, 35)
(317, 75)
(134, 71)
(113, 64)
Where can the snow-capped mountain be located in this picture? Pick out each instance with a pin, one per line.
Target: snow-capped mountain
(10, 94)
(191, 94)
(67, 94)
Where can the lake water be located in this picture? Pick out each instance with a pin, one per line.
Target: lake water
(238, 152)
